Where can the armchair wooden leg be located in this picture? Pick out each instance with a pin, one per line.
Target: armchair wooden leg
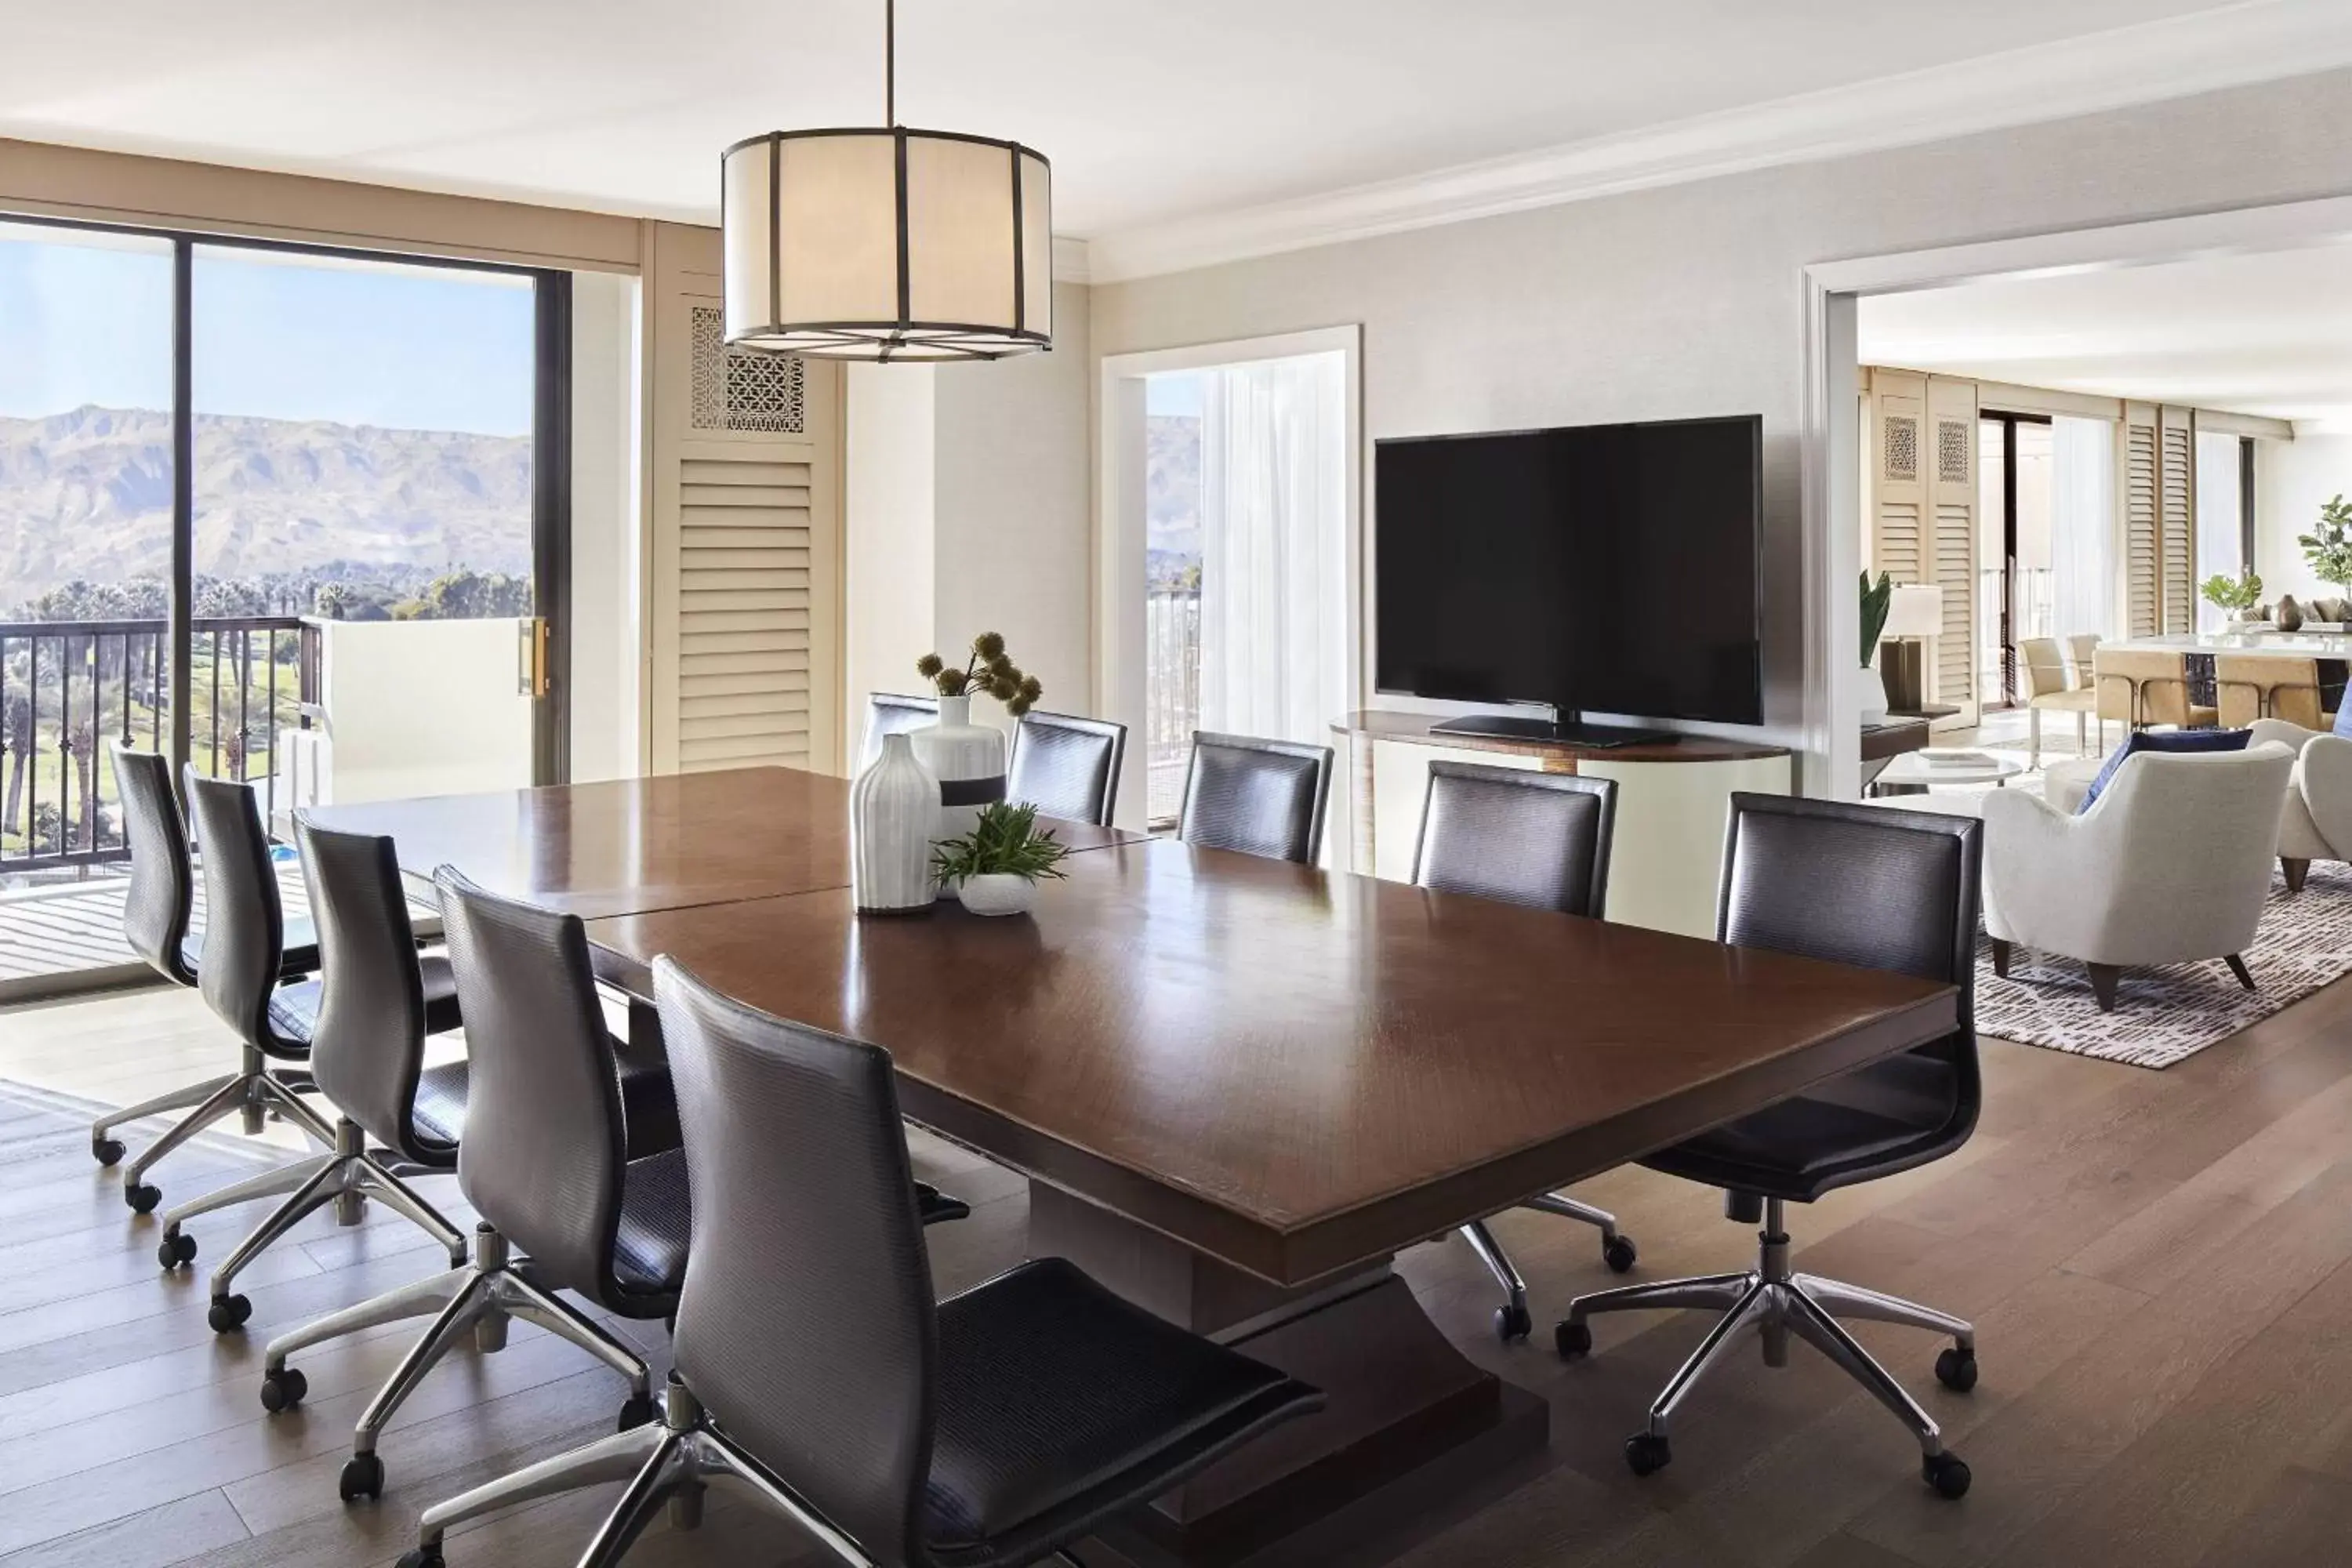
(2297, 870)
(2000, 957)
(2103, 978)
(2237, 964)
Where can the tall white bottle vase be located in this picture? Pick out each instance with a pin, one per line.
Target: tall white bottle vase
(894, 817)
(968, 760)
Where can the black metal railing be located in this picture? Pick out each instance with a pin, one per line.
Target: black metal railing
(70, 688)
(1172, 643)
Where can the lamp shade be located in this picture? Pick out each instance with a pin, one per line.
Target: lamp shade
(887, 244)
(1915, 612)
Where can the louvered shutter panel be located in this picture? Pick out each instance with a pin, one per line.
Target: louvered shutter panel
(1949, 467)
(2176, 491)
(2143, 531)
(744, 543)
(1898, 496)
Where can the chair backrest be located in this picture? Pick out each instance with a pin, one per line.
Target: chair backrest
(1522, 837)
(2045, 668)
(2142, 686)
(1066, 766)
(545, 1145)
(2082, 652)
(367, 1050)
(2248, 687)
(1260, 797)
(893, 713)
(1855, 884)
(806, 1324)
(156, 906)
(244, 925)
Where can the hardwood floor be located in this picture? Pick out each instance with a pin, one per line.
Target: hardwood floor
(2160, 1266)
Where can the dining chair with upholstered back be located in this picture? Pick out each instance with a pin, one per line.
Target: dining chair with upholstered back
(2250, 686)
(2141, 687)
(893, 713)
(2047, 691)
(1260, 797)
(2082, 652)
(1066, 766)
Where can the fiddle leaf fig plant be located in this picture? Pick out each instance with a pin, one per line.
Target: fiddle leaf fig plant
(1004, 841)
(2328, 546)
(988, 669)
(1876, 600)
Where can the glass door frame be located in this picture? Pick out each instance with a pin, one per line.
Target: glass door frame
(2008, 420)
(551, 464)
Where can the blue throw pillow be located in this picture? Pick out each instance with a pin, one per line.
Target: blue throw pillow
(2176, 740)
(2344, 720)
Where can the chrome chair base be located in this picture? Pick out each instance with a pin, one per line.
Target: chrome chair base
(667, 1463)
(1511, 1320)
(346, 1178)
(256, 1091)
(481, 1296)
(1773, 1302)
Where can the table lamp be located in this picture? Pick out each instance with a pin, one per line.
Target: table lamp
(1915, 615)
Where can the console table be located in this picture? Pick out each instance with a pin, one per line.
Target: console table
(1671, 795)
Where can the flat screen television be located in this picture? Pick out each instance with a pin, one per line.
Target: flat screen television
(1594, 569)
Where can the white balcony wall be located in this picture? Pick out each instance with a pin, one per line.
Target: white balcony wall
(412, 708)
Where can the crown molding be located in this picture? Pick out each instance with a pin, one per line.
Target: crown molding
(2234, 46)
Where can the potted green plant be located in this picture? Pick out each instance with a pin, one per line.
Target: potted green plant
(2328, 546)
(995, 867)
(2234, 596)
(1877, 598)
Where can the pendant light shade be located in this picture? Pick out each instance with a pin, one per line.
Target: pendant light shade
(888, 245)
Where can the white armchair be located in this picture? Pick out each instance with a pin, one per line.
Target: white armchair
(2317, 822)
(2171, 864)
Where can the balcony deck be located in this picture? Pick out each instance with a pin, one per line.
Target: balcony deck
(68, 937)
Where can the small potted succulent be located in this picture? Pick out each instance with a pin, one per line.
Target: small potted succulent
(2235, 598)
(995, 867)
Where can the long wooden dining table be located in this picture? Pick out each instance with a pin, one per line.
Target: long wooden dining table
(1238, 1087)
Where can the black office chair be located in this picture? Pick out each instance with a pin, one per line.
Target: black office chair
(1066, 766)
(156, 912)
(1881, 889)
(1260, 797)
(813, 1364)
(894, 713)
(546, 1165)
(1538, 839)
(243, 959)
(375, 1004)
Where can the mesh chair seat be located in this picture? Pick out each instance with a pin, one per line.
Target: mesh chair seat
(300, 950)
(1863, 1125)
(294, 1009)
(657, 1216)
(439, 1113)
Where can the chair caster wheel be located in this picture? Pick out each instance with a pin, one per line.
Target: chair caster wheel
(421, 1557)
(1646, 1454)
(175, 1249)
(1512, 1323)
(141, 1197)
(1572, 1339)
(362, 1476)
(283, 1389)
(106, 1150)
(1619, 1253)
(635, 1412)
(1945, 1473)
(228, 1313)
(1956, 1369)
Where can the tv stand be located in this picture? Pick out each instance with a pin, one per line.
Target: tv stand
(1552, 731)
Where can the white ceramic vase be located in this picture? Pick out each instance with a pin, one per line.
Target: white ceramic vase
(968, 760)
(1874, 696)
(894, 816)
(997, 893)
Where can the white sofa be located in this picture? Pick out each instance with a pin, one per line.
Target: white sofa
(2317, 822)
(2171, 864)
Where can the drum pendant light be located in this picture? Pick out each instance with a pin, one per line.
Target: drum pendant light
(887, 244)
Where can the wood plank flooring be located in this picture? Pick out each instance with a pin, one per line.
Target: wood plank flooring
(2159, 1265)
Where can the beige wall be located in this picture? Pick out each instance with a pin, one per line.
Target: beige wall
(889, 491)
(607, 629)
(1687, 300)
(2292, 480)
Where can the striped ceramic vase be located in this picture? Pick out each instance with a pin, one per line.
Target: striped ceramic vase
(894, 816)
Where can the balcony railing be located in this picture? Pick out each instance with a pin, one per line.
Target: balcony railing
(1171, 642)
(69, 688)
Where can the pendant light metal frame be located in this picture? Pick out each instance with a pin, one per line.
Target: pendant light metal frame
(905, 339)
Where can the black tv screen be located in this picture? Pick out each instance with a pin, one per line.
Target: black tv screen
(1600, 568)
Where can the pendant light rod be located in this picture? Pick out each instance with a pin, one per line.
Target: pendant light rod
(890, 62)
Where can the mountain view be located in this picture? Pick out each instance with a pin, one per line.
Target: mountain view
(86, 496)
(1171, 499)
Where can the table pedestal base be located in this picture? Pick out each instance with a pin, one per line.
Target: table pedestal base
(1404, 1406)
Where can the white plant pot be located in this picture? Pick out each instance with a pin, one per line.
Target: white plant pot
(1874, 696)
(894, 816)
(968, 760)
(997, 893)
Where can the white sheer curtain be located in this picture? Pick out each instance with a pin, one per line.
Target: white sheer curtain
(1274, 548)
(2221, 518)
(2082, 560)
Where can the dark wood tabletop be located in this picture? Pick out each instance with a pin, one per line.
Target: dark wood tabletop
(1289, 1071)
(634, 845)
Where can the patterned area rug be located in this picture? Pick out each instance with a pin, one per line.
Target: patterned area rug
(2166, 1016)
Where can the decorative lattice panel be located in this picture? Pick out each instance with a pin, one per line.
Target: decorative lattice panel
(744, 389)
(1902, 442)
(1952, 451)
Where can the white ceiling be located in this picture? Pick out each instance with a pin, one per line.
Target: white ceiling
(1152, 110)
(2269, 333)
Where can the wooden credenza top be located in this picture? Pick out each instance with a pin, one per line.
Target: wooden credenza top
(1385, 724)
